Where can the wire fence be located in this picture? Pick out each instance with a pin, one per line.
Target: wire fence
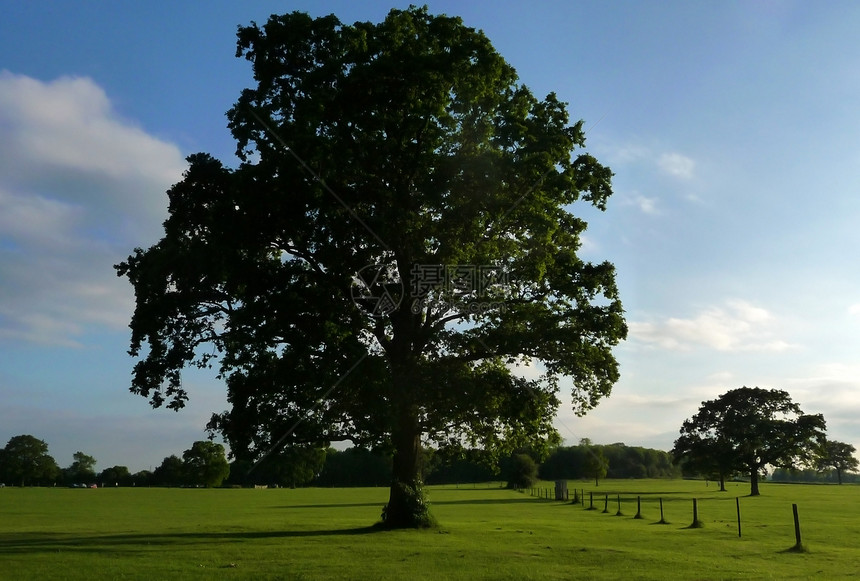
(621, 504)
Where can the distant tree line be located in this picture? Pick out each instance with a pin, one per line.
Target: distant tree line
(704, 450)
(812, 475)
(25, 461)
(362, 467)
(588, 460)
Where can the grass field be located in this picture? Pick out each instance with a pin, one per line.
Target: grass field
(485, 533)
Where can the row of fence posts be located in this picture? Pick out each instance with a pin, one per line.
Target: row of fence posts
(561, 493)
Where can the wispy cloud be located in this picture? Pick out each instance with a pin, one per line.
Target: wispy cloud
(79, 188)
(735, 326)
(654, 157)
(677, 165)
(645, 204)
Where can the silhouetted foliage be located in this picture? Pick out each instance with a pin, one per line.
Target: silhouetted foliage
(81, 470)
(622, 462)
(468, 467)
(115, 476)
(355, 467)
(25, 462)
(171, 472)
(521, 472)
(142, 478)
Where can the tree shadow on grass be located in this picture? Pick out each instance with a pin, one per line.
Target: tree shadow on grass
(40, 542)
(521, 500)
(333, 505)
(634, 494)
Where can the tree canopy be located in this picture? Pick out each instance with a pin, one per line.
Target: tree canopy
(747, 429)
(205, 464)
(397, 237)
(25, 461)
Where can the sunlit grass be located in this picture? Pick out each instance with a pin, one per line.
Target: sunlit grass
(485, 533)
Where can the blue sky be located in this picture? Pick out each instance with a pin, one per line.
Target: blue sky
(733, 129)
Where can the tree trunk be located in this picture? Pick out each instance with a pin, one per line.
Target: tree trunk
(754, 482)
(722, 483)
(407, 506)
(839, 475)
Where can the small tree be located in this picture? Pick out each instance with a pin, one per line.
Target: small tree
(82, 468)
(596, 464)
(522, 472)
(205, 463)
(839, 456)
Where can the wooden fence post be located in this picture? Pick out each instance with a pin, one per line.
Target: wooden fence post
(662, 520)
(696, 524)
(638, 507)
(738, 503)
(798, 547)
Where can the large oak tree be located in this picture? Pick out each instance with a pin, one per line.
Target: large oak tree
(403, 165)
(25, 461)
(747, 429)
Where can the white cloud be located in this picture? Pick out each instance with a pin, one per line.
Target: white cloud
(79, 189)
(69, 123)
(736, 326)
(722, 377)
(645, 204)
(529, 369)
(672, 163)
(587, 244)
(677, 165)
(630, 153)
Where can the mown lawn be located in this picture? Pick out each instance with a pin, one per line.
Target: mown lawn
(485, 533)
